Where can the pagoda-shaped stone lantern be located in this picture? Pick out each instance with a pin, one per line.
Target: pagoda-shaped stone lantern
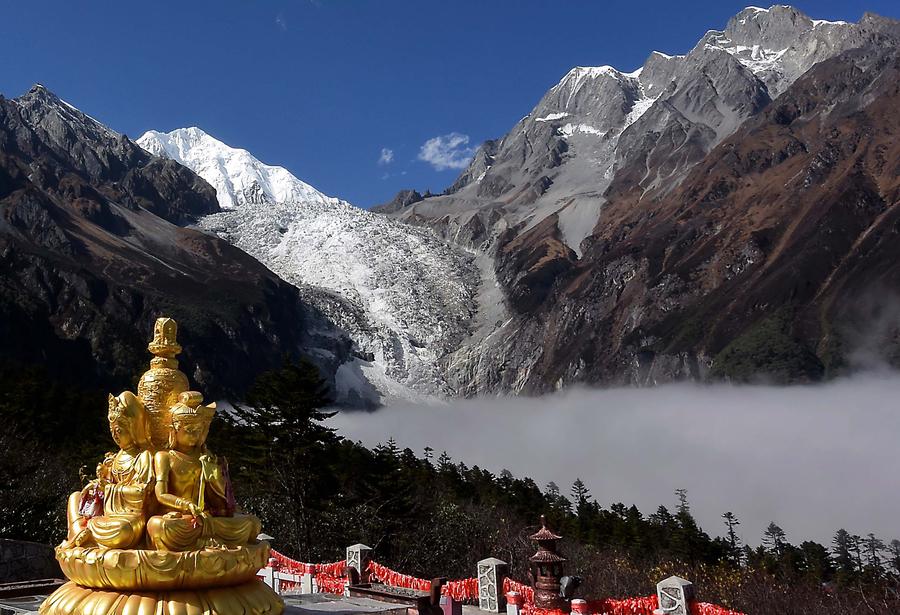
(546, 569)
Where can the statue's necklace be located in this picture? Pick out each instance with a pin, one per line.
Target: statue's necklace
(185, 457)
(122, 468)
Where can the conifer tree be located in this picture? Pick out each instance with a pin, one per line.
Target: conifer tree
(842, 547)
(816, 561)
(283, 419)
(856, 548)
(552, 490)
(894, 550)
(873, 548)
(445, 462)
(774, 539)
(580, 493)
(734, 547)
(683, 506)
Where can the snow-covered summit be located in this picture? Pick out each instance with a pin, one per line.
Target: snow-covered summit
(238, 177)
(780, 43)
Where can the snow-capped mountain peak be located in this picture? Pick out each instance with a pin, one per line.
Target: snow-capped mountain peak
(238, 177)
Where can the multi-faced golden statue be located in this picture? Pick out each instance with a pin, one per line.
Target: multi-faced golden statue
(157, 531)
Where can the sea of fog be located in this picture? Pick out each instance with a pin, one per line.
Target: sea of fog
(811, 458)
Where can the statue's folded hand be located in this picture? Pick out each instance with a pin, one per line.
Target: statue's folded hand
(209, 465)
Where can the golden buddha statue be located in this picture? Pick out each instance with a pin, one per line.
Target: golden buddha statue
(156, 531)
(124, 480)
(193, 486)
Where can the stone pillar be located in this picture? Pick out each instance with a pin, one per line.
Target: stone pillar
(675, 595)
(491, 572)
(276, 582)
(449, 606)
(514, 602)
(358, 557)
(579, 606)
(267, 574)
(306, 583)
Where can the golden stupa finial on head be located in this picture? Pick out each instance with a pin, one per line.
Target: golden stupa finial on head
(165, 339)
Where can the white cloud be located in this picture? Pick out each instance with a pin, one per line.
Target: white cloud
(447, 151)
(387, 156)
(811, 458)
(281, 22)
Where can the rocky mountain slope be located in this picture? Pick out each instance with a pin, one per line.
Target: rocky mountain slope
(405, 297)
(93, 249)
(576, 204)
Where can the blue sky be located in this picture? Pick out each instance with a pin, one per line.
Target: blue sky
(347, 94)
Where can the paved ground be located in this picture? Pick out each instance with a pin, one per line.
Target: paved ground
(313, 604)
(23, 604)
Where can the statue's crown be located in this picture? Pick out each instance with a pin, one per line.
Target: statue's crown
(190, 408)
(126, 405)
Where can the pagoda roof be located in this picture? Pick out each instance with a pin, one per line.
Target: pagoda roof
(544, 534)
(542, 556)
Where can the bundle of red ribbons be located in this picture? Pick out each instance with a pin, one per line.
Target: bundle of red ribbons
(461, 590)
(514, 586)
(335, 569)
(330, 584)
(644, 605)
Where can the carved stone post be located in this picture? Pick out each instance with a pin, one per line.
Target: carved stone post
(491, 572)
(675, 595)
(358, 557)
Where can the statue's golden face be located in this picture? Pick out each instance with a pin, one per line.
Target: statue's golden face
(188, 434)
(128, 421)
(121, 432)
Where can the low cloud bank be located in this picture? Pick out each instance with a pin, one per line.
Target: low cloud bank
(811, 458)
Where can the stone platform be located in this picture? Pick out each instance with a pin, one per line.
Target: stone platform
(310, 604)
(316, 604)
(294, 604)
